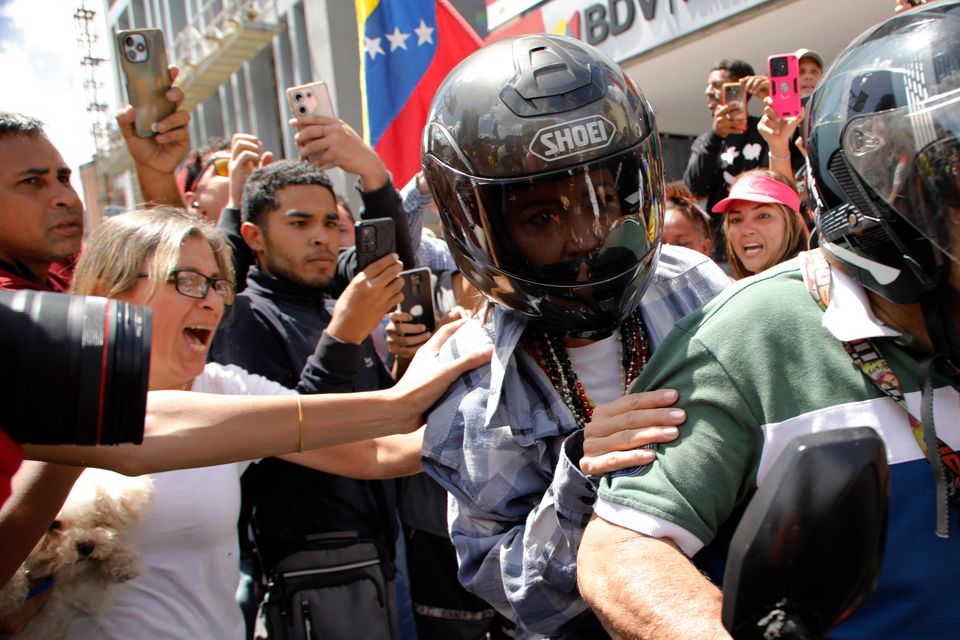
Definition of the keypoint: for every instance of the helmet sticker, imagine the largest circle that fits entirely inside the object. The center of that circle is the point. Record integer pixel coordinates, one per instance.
(570, 138)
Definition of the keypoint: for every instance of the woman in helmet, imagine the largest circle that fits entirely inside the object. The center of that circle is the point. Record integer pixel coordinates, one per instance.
(762, 222)
(562, 234)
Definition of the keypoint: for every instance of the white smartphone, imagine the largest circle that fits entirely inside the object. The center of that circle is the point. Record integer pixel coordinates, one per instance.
(311, 99)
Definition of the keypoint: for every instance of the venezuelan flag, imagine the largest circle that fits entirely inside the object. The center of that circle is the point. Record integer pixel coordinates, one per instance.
(407, 47)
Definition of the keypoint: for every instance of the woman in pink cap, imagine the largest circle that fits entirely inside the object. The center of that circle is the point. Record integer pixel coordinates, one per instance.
(763, 225)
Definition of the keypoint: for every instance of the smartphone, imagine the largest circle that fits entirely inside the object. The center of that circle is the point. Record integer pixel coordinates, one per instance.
(143, 61)
(418, 296)
(783, 70)
(375, 238)
(311, 99)
(734, 93)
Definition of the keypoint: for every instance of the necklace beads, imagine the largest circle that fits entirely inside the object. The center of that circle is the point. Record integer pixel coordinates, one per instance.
(551, 356)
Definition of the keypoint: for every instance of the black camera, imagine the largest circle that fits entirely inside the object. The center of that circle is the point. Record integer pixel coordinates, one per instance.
(74, 368)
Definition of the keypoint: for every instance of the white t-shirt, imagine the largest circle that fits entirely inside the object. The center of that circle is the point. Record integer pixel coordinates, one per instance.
(593, 364)
(188, 544)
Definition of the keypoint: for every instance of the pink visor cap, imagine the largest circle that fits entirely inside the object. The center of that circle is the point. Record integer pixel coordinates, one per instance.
(759, 188)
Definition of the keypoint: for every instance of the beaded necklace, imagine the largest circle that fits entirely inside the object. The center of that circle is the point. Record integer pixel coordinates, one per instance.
(548, 351)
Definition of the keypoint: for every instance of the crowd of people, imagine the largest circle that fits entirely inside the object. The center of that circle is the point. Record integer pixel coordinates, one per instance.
(617, 361)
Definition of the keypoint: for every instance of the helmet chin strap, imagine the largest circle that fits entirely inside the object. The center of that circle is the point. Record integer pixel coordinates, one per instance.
(942, 330)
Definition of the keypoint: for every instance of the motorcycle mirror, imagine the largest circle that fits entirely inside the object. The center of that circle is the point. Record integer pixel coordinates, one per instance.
(809, 547)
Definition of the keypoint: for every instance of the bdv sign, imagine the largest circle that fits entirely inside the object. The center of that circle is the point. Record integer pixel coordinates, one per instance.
(568, 138)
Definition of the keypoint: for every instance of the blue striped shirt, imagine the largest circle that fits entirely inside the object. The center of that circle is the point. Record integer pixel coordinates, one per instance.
(507, 449)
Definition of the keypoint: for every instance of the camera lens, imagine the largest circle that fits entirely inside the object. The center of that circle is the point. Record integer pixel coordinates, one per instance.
(302, 109)
(75, 368)
(128, 41)
(298, 97)
(778, 66)
(140, 48)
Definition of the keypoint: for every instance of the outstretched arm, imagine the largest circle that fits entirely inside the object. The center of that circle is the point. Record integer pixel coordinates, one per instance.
(186, 429)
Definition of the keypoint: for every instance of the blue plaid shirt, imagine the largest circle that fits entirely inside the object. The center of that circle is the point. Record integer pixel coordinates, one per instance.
(507, 449)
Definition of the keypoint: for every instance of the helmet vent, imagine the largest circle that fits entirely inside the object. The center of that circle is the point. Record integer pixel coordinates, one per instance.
(850, 185)
(546, 69)
(550, 78)
(835, 225)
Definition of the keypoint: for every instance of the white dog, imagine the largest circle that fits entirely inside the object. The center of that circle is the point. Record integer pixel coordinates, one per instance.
(84, 551)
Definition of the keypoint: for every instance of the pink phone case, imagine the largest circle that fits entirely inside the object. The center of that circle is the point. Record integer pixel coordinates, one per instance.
(785, 87)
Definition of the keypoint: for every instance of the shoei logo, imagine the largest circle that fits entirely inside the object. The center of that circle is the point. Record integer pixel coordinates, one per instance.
(577, 136)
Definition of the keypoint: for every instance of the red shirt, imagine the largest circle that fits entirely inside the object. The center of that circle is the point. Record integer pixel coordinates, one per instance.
(58, 278)
(11, 279)
(11, 455)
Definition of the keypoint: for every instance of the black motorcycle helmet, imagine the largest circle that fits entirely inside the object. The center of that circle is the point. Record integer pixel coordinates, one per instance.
(884, 174)
(544, 161)
(884, 158)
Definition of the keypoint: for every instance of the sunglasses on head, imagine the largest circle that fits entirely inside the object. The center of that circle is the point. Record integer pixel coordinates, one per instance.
(221, 165)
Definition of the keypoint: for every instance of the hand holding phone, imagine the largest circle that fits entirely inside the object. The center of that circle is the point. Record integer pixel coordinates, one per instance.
(311, 99)
(734, 94)
(143, 61)
(784, 72)
(731, 116)
(375, 238)
(418, 297)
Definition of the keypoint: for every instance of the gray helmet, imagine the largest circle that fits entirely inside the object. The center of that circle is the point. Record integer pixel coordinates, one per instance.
(544, 160)
(884, 158)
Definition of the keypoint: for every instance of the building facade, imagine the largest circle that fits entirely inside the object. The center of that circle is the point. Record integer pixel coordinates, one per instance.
(238, 56)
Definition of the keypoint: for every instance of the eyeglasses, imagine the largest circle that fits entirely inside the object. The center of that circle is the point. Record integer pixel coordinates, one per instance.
(221, 166)
(193, 284)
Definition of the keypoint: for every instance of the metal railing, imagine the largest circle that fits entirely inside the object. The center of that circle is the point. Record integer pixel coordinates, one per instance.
(217, 20)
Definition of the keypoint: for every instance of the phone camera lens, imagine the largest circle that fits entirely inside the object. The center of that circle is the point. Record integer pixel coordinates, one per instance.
(302, 109)
(140, 48)
(298, 97)
(128, 41)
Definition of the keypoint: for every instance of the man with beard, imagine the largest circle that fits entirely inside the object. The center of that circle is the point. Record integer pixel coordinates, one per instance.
(290, 222)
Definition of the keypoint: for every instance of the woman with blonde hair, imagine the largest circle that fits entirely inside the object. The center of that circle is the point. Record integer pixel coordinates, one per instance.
(762, 222)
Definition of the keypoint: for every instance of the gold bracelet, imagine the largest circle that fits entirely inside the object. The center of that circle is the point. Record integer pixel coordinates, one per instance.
(300, 423)
(773, 156)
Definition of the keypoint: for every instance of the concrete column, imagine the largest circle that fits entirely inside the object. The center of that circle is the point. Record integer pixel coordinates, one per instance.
(283, 62)
(261, 96)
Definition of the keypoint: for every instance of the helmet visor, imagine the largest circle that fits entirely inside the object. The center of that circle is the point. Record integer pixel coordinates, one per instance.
(910, 157)
(574, 226)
